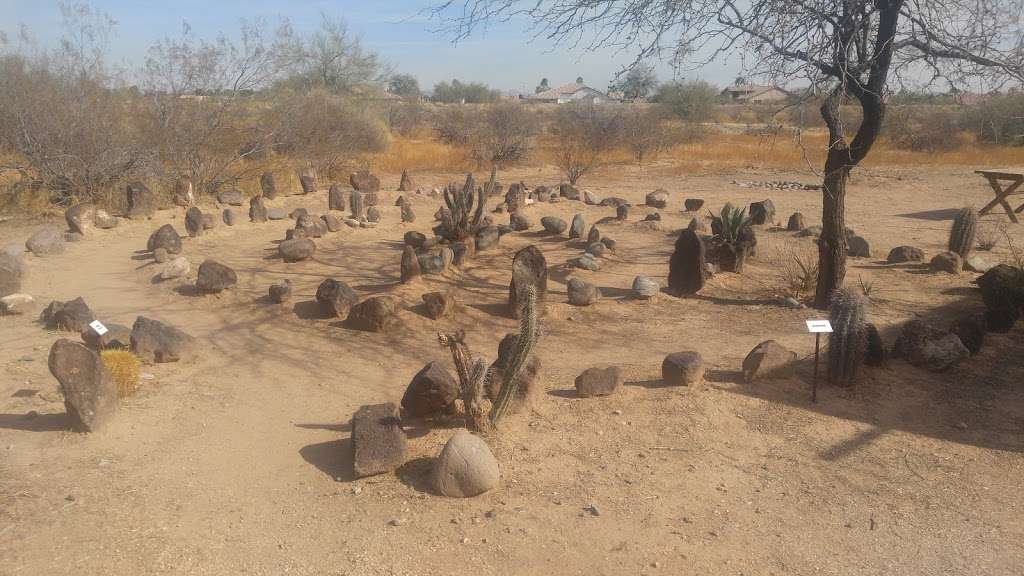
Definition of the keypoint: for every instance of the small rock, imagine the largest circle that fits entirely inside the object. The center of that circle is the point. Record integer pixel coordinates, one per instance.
(336, 298)
(645, 288)
(373, 214)
(154, 341)
(902, 254)
(296, 250)
(949, 262)
(15, 303)
(519, 221)
(693, 204)
(653, 217)
(80, 217)
(582, 293)
(194, 222)
(768, 359)
(229, 216)
(230, 197)
(590, 198)
(439, 304)
(599, 381)
(214, 277)
(176, 268)
(281, 292)
(117, 337)
(375, 314)
(858, 247)
(72, 316)
(796, 222)
(46, 241)
(165, 237)
(762, 212)
(657, 199)
(977, 264)
(104, 220)
(553, 224)
(487, 237)
(682, 369)
(276, 213)
(587, 262)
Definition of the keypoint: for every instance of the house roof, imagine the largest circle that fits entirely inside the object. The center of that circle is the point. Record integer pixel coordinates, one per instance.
(749, 89)
(563, 90)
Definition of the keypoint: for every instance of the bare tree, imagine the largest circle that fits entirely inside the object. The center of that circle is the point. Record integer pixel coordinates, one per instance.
(332, 58)
(586, 132)
(846, 48)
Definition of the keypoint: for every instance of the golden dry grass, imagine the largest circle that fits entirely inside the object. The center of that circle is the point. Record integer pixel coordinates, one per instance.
(124, 367)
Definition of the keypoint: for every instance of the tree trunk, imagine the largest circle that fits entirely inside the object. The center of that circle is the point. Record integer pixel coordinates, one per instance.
(832, 243)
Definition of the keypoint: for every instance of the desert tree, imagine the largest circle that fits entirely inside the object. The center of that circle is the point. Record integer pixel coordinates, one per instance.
(848, 49)
(586, 132)
(64, 114)
(637, 82)
(404, 85)
(199, 100)
(331, 58)
(542, 87)
(646, 131)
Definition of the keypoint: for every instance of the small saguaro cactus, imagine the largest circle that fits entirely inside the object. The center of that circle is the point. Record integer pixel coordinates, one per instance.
(529, 333)
(849, 338)
(961, 236)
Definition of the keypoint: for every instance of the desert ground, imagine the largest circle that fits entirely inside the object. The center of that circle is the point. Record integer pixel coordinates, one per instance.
(238, 461)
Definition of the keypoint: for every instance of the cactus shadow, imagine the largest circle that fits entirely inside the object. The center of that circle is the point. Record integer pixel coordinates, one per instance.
(498, 310)
(334, 458)
(934, 215)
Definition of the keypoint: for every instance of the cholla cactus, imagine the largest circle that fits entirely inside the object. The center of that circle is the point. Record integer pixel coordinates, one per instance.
(471, 380)
(461, 220)
(529, 333)
(961, 236)
(849, 338)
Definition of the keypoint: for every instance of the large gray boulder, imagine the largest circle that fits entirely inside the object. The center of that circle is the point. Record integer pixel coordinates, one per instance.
(336, 298)
(72, 316)
(90, 393)
(214, 277)
(926, 346)
(46, 241)
(80, 217)
(375, 314)
(598, 381)
(297, 249)
(465, 468)
(165, 237)
(154, 341)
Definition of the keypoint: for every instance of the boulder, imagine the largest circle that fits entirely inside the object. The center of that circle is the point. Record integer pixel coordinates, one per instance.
(971, 330)
(903, 254)
(80, 217)
(615, 202)
(229, 216)
(408, 215)
(160, 256)
(406, 184)
(622, 212)
(582, 293)
(378, 441)
(462, 252)
(465, 468)
(154, 341)
(90, 393)
(281, 292)
(230, 197)
(599, 381)
(414, 239)
(336, 198)
(336, 298)
(926, 346)
(72, 316)
(214, 277)
(177, 268)
(645, 288)
(297, 249)
(590, 198)
(141, 201)
(796, 222)
(12, 272)
(976, 263)
(586, 262)
(104, 220)
(682, 368)
(258, 210)
(858, 247)
(553, 224)
(519, 222)
(529, 268)
(373, 214)
(487, 237)
(597, 249)
(15, 303)
(653, 217)
(375, 314)
(276, 213)
(1002, 287)
(308, 183)
(579, 223)
(657, 199)
(194, 222)
(431, 263)
(184, 193)
(568, 191)
(117, 337)
(332, 222)
(693, 204)
(356, 203)
(165, 237)
(528, 380)
(431, 391)
(46, 241)
(268, 188)
(949, 262)
(768, 359)
(364, 181)
(439, 304)
(762, 212)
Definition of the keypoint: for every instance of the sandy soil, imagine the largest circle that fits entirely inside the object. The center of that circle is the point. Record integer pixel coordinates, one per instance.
(239, 462)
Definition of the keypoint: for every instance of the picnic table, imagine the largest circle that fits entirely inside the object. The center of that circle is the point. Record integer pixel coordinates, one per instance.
(1013, 177)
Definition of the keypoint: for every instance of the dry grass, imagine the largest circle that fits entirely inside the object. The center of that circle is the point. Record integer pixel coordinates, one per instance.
(124, 367)
(421, 154)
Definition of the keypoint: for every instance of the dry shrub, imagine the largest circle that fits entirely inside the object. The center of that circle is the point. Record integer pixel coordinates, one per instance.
(499, 133)
(586, 133)
(999, 119)
(124, 367)
(796, 265)
(407, 118)
(927, 129)
(988, 235)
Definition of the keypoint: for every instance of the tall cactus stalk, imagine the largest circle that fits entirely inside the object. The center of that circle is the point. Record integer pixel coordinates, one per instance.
(849, 338)
(529, 332)
(961, 236)
(472, 379)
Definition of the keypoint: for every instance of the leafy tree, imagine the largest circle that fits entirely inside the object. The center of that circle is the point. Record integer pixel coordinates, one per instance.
(331, 58)
(404, 85)
(455, 92)
(543, 86)
(579, 79)
(690, 101)
(637, 83)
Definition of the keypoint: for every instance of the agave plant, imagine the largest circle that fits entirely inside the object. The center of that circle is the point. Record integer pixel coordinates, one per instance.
(734, 220)
(734, 237)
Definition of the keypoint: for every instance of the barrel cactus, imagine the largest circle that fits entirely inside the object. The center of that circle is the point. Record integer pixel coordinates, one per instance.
(961, 236)
(849, 338)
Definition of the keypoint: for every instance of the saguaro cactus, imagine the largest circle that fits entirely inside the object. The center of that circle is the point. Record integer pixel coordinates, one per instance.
(529, 333)
(849, 338)
(961, 236)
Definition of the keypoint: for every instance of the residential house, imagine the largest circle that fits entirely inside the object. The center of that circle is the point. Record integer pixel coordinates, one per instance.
(754, 93)
(573, 92)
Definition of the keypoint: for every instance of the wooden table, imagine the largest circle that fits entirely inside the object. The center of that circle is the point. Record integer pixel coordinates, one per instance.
(1013, 177)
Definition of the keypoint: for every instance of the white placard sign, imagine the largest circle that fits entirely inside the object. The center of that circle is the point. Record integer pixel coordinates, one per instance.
(98, 327)
(819, 326)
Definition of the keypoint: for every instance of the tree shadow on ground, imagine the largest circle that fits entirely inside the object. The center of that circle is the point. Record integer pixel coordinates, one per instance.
(31, 422)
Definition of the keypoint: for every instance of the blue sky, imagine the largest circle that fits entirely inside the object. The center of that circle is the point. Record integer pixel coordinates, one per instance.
(506, 56)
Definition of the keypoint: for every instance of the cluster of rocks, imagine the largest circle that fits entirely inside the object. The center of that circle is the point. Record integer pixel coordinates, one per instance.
(776, 185)
(948, 261)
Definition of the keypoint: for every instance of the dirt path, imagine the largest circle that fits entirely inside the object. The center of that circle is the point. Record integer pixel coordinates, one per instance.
(238, 461)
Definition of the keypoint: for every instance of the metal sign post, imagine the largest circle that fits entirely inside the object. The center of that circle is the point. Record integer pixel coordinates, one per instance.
(817, 327)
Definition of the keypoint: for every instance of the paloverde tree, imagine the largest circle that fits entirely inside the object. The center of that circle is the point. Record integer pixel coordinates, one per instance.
(847, 49)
